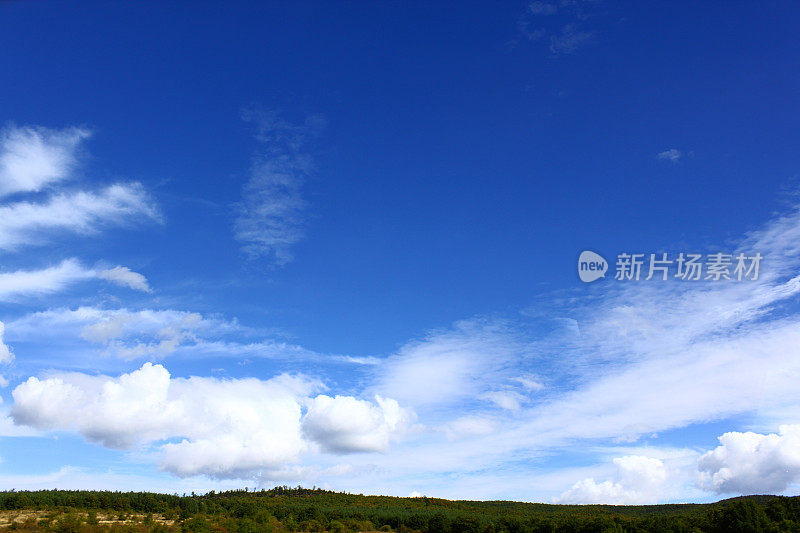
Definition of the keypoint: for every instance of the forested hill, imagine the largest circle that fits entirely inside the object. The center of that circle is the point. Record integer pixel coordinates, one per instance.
(299, 509)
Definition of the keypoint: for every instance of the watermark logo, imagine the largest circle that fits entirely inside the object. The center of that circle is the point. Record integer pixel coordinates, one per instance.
(684, 266)
(591, 266)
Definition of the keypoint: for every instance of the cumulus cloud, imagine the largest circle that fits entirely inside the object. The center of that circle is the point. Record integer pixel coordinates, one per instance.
(28, 223)
(752, 463)
(31, 158)
(5, 351)
(221, 428)
(114, 412)
(672, 155)
(344, 424)
(246, 427)
(640, 480)
(271, 215)
(57, 278)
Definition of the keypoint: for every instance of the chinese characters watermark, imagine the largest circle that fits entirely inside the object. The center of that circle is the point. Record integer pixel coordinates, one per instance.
(685, 266)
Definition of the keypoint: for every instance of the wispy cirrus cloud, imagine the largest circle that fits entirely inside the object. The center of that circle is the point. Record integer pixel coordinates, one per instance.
(155, 334)
(125, 277)
(36, 161)
(28, 223)
(123, 333)
(34, 164)
(471, 362)
(26, 283)
(271, 215)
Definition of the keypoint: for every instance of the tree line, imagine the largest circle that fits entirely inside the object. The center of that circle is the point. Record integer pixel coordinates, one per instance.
(315, 510)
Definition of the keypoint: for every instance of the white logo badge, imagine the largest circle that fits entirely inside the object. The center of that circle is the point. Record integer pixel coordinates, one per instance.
(591, 266)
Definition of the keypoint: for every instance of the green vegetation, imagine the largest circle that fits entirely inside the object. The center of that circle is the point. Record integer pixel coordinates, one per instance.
(298, 509)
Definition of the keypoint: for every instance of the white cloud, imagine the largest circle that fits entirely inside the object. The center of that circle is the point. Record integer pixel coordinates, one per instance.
(589, 491)
(102, 325)
(27, 223)
(126, 277)
(640, 480)
(57, 278)
(225, 425)
(529, 383)
(117, 413)
(32, 158)
(344, 424)
(5, 351)
(221, 428)
(446, 367)
(672, 155)
(271, 215)
(752, 463)
(134, 334)
(9, 429)
(245, 427)
(510, 400)
(45, 281)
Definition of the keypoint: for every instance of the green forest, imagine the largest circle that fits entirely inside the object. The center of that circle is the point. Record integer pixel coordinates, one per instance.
(316, 510)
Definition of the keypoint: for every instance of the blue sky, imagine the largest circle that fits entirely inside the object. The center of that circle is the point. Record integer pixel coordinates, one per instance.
(336, 244)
